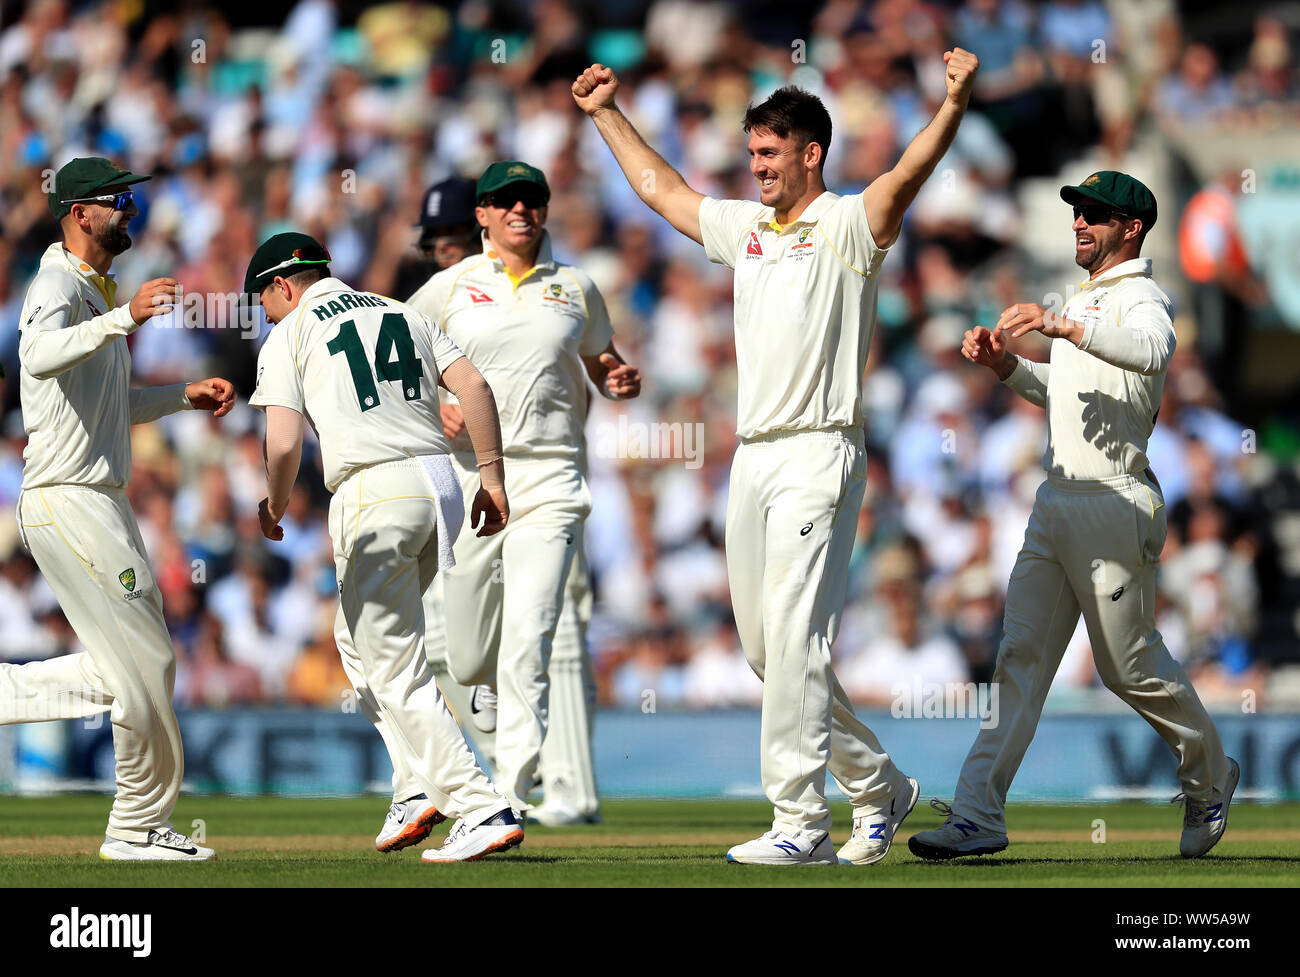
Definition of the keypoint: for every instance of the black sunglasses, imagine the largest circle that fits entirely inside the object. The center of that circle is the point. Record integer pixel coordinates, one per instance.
(530, 196)
(1097, 213)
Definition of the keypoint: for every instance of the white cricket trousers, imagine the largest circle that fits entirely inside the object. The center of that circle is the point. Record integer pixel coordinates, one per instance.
(792, 513)
(1092, 547)
(502, 603)
(384, 522)
(88, 546)
(568, 769)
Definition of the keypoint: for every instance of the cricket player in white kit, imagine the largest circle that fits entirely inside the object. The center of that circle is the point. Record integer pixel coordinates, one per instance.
(78, 408)
(536, 328)
(1097, 527)
(362, 368)
(449, 234)
(806, 262)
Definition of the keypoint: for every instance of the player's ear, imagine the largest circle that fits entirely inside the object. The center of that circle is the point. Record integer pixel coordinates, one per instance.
(812, 155)
(480, 213)
(1134, 229)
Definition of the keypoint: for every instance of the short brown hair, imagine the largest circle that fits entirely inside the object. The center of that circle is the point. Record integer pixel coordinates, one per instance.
(792, 113)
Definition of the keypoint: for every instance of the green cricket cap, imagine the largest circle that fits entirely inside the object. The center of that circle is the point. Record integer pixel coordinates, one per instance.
(1118, 191)
(284, 255)
(87, 176)
(506, 172)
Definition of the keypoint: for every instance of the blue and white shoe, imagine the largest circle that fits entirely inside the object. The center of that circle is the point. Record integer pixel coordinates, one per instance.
(408, 823)
(873, 832)
(784, 848)
(1204, 823)
(958, 836)
(501, 832)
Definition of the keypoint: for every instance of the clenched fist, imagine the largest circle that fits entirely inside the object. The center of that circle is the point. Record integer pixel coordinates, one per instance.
(157, 297)
(595, 88)
(962, 66)
(215, 394)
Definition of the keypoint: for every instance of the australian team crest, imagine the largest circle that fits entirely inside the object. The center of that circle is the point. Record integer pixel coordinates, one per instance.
(555, 293)
(127, 579)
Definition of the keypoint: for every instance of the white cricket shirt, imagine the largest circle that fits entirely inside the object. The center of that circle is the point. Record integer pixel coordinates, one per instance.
(526, 338)
(364, 370)
(805, 308)
(75, 382)
(1102, 396)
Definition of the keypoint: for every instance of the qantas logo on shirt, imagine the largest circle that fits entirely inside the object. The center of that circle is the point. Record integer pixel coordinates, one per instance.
(754, 247)
(92, 307)
(477, 296)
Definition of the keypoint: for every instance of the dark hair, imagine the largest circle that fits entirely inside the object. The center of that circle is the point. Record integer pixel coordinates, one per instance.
(309, 276)
(792, 113)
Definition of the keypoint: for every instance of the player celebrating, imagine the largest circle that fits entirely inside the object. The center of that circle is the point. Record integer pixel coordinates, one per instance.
(533, 325)
(448, 235)
(1097, 527)
(362, 367)
(78, 408)
(806, 262)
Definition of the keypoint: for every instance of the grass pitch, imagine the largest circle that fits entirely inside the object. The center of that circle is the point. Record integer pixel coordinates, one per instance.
(328, 843)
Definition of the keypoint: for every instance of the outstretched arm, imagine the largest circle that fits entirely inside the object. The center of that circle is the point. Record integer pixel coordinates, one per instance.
(890, 194)
(282, 452)
(658, 184)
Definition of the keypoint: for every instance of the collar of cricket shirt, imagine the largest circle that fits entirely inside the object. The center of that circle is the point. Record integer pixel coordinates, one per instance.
(545, 261)
(1125, 269)
(105, 284)
(811, 214)
(325, 286)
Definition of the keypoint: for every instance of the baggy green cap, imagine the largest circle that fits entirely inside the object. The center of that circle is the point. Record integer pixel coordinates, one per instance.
(1118, 191)
(87, 176)
(284, 255)
(506, 172)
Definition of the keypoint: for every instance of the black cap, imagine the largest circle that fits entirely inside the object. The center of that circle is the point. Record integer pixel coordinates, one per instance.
(284, 255)
(1119, 191)
(448, 203)
(87, 176)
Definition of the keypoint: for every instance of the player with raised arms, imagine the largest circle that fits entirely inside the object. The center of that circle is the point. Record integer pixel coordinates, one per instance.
(806, 264)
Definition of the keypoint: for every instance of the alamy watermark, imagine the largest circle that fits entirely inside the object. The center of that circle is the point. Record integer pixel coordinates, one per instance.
(946, 700)
(654, 440)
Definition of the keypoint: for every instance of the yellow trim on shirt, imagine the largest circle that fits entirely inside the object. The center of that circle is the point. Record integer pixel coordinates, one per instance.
(516, 282)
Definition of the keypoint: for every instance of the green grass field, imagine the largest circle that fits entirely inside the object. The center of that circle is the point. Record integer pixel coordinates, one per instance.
(326, 843)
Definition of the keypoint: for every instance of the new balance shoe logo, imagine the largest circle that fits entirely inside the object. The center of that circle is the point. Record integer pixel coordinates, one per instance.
(1215, 813)
(966, 827)
(877, 831)
(789, 847)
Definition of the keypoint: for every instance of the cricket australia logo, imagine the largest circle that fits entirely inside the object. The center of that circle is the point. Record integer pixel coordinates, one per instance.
(127, 579)
(555, 293)
(804, 244)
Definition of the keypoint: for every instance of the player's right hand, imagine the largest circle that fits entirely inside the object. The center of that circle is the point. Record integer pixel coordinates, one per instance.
(453, 421)
(495, 509)
(984, 347)
(157, 297)
(595, 88)
(271, 527)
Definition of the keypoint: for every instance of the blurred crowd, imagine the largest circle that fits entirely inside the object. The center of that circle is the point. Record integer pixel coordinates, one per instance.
(334, 118)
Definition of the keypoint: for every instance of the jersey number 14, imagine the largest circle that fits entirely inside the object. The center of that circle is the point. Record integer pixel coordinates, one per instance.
(394, 334)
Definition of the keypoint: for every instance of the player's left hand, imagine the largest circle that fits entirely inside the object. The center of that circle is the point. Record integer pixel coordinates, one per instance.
(623, 381)
(214, 394)
(962, 66)
(271, 527)
(1026, 317)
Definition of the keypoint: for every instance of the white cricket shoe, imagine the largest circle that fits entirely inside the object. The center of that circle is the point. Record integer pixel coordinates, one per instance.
(784, 848)
(873, 832)
(408, 823)
(1204, 824)
(167, 845)
(556, 814)
(958, 836)
(483, 707)
(498, 833)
